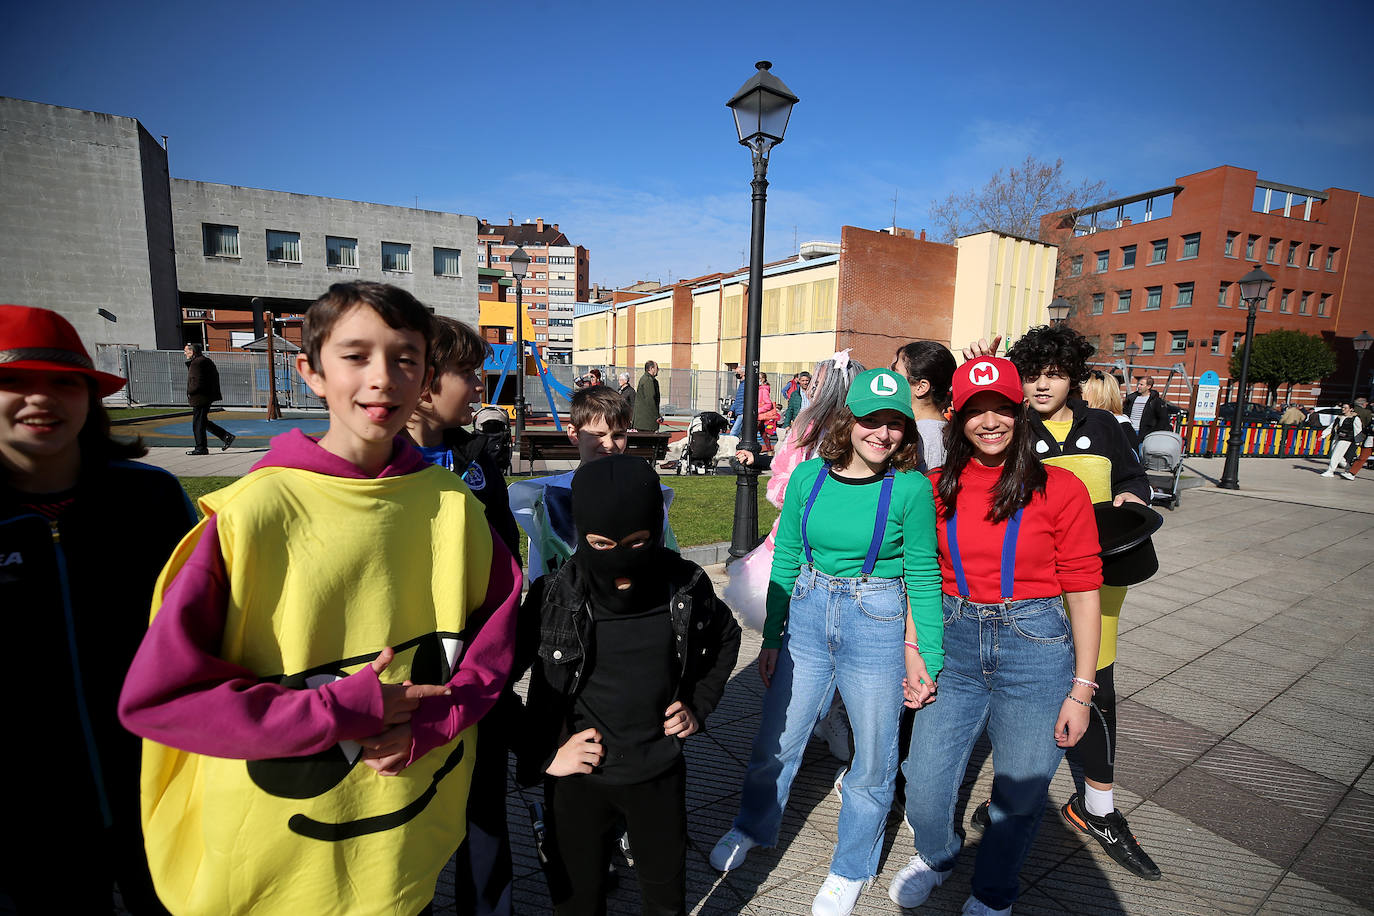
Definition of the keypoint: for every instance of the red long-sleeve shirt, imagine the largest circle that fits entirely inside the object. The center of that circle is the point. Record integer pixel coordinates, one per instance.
(1056, 550)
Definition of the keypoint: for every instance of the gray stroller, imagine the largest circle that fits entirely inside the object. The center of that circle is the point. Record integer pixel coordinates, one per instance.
(1162, 454)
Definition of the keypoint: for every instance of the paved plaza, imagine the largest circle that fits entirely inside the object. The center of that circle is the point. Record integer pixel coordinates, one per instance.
(1246, 723)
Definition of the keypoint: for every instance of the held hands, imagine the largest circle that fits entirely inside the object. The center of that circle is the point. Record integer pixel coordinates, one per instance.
(918, 687)
(388, 752)
(768, 663)
(678, 720)
(400, 700)
(579, 754)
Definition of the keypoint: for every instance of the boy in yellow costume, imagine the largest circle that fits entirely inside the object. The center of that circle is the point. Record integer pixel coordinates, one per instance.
(321, 645)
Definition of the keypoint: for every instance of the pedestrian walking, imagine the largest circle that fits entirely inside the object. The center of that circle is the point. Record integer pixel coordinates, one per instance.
(1344, 432)
(202, 390)
(647, 414)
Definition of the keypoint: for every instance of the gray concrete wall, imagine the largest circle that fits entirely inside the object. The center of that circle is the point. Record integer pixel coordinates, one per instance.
(254, 211)
(74, 221)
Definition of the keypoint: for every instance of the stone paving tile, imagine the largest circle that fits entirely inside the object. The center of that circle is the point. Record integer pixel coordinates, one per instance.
(1346, 838)
(1325, 754)
(1181, 701)
(1296, 896)
(1305, 792)
(1154, 636)
(1266, 828)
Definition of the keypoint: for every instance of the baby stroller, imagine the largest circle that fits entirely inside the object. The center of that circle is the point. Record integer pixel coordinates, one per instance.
(703, 440)
(493, 424)
(1162, 454)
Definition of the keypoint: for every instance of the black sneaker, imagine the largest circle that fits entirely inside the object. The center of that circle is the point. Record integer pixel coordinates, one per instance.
(1115, 836)
(228, 441)
(981, 818)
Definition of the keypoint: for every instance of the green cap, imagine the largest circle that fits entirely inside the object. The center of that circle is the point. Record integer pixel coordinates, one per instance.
(879, 389)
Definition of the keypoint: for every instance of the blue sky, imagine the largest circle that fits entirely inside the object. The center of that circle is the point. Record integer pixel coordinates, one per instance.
(609, 118)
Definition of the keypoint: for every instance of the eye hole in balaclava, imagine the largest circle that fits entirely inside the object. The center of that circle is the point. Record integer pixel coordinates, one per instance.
(614, 497)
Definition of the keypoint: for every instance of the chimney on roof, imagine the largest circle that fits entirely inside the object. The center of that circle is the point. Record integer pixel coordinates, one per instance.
(539, 224)
(555, 227)
(510, 221)
(923, 235)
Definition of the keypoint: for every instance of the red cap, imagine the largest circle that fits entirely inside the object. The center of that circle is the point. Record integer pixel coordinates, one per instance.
(41, 340)
(987, 373)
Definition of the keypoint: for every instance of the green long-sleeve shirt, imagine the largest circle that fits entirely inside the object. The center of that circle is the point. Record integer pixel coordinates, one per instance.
(840, 528)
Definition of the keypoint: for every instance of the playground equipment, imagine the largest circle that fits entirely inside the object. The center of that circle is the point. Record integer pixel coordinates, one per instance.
(502, 362)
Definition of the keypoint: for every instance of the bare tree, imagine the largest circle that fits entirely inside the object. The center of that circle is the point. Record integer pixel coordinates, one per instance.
(1013, 201)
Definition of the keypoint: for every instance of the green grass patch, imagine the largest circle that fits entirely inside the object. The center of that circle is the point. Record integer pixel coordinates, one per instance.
(130, 413)
(703, 508)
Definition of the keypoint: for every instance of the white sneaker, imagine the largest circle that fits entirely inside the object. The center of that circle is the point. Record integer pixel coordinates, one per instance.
(834, 730)
(975, 907)
(731, 850)
(839, 782)
(837, 896)
(1347, 475)
(1328, 473)
(914, 883)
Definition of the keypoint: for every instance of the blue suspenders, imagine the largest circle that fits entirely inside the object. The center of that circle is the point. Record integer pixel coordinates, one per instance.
(1009, 536)
(879, 522)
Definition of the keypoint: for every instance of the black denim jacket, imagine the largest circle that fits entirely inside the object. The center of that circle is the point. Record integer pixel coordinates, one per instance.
(706, 642)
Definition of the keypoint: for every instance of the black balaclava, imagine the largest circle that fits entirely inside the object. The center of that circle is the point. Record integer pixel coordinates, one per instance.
(616, 496)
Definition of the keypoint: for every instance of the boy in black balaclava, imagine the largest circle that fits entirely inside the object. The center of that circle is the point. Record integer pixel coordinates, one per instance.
(635, 650)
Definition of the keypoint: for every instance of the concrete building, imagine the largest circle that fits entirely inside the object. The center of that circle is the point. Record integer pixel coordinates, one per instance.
(872, 292)
(557, 277)
(86, 224)
(1160, 270)
(234, 245)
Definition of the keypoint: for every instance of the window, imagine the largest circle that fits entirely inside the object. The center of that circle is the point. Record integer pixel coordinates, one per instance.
(1273, 254)
(1250, 242)
(541, 322)
(1191, 244)
(396, 256)
(221, 241)
(1216, 342)
(1185, 296)
(1178, 341)
(1147, 343)
(1152, 296)
(1127, 257)
(1098, 299)
(541, 260)
(1159, 251)
(1222, 292)
(541, 276)
(1123, 300)
(541, 337)
(1283, 301)
(1102, 262)
(1293, 253)
(448, 262)
(484, 287)
(1302, 303)
(1076, 266)
(1118, 343)
(339, 252)
(1264, 303)
(283, 246)
(1231, 244)
(1237, 340)
(1312, 256)
(1331, 258)
(1322, 304)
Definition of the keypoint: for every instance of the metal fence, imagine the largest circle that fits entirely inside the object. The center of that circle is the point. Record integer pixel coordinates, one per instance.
(158, 377)
(681, 391)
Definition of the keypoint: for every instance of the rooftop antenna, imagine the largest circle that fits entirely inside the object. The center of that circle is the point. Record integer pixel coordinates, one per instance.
(894, 208)
(795, 249)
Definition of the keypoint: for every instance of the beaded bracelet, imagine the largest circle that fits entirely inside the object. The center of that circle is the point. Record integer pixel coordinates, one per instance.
(1078, 701)
(912, 645)
(1085, 682)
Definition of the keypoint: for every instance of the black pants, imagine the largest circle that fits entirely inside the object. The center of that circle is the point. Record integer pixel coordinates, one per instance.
(482, 880)
(200, 422)
(583, 813)
(1095, 752)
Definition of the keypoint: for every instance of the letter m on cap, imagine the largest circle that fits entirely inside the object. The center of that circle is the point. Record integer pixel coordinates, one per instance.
(983, 374)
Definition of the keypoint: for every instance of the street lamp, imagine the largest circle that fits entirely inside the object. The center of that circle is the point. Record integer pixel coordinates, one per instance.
(1059, 310)
(1132, 350)
(761, 107)
(1361, 345)
(519, 266)
(1254, 289)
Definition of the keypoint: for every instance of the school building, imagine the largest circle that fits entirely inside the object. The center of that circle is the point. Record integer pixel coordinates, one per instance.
(1160, 270)
(872, 292)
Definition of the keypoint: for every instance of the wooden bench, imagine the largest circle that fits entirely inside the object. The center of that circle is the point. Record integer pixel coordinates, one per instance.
(553, 445)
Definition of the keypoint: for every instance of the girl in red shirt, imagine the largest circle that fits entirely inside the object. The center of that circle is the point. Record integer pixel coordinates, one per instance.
(1017, 544)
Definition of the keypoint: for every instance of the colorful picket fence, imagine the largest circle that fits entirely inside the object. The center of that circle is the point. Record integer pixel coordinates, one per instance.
(1267, 441)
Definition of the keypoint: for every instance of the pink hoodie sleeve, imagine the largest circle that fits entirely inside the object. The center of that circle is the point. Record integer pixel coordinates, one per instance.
(788, 456)
(180, 693)
(481, 675)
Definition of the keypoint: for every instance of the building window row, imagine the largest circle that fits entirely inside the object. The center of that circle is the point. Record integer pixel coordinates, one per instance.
(1295, 254)
(220, 241)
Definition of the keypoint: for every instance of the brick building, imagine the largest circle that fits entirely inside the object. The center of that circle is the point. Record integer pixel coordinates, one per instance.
(872, 292)
(1160, 269)
(557, 277)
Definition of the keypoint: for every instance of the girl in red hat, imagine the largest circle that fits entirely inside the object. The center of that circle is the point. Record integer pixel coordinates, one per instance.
(84, 532)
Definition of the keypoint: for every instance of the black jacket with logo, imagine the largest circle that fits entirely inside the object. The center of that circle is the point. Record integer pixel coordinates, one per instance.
(1096, 432)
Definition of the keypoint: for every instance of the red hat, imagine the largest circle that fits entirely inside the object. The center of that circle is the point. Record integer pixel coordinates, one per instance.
(42, 340)
(987, 373)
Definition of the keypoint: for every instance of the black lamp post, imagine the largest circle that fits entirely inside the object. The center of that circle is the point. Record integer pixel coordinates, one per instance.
(1132, 349)
(1254, 289)
(1361, 345)
(761, 108)
(1059, 310)
(519, 266)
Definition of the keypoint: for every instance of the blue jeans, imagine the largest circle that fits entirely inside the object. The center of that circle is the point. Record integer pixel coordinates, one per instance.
(1007, 668)
(845, 634)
